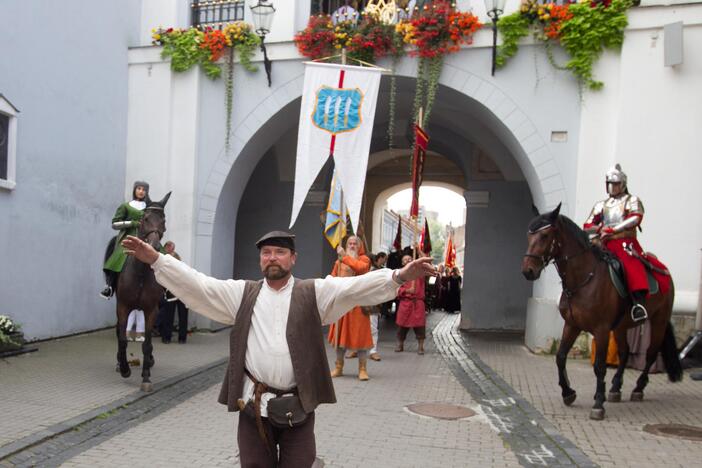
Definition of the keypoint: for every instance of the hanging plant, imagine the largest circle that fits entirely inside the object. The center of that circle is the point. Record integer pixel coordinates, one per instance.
(438, 30)
(182, 46)
(583, 29)
(239, 37)
(189, 47)
(368, 41)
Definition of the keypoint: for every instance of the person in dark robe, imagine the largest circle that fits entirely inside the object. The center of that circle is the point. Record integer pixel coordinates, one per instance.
(453, 291)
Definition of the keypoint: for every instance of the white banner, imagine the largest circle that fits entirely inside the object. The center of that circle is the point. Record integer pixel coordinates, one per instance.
(336, 119)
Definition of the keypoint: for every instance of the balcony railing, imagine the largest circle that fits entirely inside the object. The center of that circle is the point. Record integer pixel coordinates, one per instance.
(216, 13)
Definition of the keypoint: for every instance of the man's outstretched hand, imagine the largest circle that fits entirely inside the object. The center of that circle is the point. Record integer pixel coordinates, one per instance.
(417, 269)
(139, 249)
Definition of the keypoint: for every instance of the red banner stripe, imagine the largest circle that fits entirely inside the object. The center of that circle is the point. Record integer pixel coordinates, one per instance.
(333, 137)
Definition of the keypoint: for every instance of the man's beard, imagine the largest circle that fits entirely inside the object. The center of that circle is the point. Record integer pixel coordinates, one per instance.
(275, 272)
(352, 253)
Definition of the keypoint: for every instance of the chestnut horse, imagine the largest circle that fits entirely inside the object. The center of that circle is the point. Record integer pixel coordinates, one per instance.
(591, 303)
(137, 289)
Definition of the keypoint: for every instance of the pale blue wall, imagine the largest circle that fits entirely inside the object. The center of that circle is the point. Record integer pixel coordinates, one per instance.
(64, 65)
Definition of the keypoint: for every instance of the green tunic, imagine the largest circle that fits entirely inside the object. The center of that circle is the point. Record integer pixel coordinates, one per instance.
(125, 212)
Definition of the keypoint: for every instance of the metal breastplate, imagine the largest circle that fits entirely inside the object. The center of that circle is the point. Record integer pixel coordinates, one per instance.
(614, 211)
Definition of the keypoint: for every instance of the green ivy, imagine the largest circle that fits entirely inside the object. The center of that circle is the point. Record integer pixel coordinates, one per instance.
(512, 29)
(584, 37)
(246, 49)
(183, 48)
(589, 32)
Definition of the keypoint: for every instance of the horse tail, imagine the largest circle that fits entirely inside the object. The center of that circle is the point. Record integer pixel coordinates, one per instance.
(669, 352)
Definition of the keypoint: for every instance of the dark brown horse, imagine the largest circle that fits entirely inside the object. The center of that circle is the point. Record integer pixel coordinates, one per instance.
(137, 289)
(591, 303)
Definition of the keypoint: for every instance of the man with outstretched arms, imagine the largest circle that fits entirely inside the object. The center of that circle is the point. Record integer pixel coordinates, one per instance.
(278, 371)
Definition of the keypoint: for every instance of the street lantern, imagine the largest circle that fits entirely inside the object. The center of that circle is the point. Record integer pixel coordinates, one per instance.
(494, 9)
(262, 13)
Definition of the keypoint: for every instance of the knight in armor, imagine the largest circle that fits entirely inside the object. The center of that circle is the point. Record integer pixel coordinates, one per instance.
(126, 221)
(615, 221)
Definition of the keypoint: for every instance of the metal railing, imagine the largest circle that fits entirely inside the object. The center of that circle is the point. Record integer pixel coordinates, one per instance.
(216, 13)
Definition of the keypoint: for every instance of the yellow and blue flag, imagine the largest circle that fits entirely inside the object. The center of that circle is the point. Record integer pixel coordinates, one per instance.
(335, 225)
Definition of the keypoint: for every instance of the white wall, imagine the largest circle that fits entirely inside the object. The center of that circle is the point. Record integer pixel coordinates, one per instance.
(648, 118)
(645, 118)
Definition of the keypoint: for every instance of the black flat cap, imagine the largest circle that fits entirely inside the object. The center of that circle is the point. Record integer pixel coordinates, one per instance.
(277, 239)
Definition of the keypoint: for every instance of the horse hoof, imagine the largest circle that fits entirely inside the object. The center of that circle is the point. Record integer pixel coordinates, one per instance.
(147, 387)
(126, 373)
(568, 400)
(597, 414)
(636, 396)
(614, 397)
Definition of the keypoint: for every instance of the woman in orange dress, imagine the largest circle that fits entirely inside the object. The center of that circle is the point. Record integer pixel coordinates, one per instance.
(353, 330)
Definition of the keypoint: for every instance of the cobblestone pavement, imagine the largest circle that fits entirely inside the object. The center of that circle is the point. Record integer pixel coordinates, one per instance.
(619, 440)
(533, 438)
(369, 426)
(181, 423)
(68, 377)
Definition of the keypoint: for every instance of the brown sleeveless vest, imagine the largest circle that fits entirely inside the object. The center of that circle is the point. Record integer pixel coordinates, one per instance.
(304, 336)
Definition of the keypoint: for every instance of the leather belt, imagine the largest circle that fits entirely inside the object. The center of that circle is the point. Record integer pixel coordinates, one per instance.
(259, 389)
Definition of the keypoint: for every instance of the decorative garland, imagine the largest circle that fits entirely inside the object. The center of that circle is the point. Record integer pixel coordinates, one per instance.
(583, 29)
(189, 47)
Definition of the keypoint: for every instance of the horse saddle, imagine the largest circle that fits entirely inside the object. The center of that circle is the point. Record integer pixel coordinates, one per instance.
(618, 276)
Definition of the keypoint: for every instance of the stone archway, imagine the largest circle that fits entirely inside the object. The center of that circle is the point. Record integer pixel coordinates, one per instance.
(499, 120)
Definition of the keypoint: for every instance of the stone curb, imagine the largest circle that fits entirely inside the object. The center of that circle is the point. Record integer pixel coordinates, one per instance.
(36, 438)
(534, 439)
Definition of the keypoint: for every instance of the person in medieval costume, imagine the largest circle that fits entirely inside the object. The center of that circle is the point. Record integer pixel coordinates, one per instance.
(614, 222)
(453, 290)
(126, 221)
(278, 371)
(353, 330)
(411, 312)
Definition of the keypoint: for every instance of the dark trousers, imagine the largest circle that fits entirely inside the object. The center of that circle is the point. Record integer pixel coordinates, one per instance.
(166, 315)
(419, 332)
(296, 445)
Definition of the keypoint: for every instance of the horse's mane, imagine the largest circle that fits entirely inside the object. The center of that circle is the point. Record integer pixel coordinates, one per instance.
(581, 236)
(570, 227)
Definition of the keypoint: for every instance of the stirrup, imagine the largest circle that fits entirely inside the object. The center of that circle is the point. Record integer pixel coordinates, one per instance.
(107, 293)
(640, 317)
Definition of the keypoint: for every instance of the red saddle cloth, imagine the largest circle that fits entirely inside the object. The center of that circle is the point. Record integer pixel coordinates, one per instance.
(634, 268)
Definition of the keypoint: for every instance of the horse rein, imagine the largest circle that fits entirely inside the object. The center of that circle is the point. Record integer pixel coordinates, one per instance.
(549, 257)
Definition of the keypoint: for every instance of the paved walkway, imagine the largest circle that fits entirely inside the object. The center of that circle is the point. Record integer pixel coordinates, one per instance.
(619, 440)
(98, 419)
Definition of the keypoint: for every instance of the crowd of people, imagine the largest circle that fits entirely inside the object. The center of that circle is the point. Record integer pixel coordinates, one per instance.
(355, 335)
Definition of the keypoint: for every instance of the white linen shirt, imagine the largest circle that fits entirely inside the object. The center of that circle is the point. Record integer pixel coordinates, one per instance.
(267, 352)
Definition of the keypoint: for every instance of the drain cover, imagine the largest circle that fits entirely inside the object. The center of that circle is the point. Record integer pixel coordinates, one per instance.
(681, 431)
(441, 410)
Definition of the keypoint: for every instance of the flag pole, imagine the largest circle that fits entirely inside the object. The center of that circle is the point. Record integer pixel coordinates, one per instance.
(343, 220)
(415, 248)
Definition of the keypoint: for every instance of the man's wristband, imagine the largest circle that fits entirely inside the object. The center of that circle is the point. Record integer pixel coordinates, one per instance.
(396, 277)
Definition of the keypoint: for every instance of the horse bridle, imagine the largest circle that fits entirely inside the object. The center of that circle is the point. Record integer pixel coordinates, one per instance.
(549, 257)
(141, 223)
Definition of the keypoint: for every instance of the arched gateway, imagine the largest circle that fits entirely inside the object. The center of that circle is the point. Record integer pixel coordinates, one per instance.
(497, 131)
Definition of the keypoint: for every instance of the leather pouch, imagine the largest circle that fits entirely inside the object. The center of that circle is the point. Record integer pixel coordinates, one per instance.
(286, 411)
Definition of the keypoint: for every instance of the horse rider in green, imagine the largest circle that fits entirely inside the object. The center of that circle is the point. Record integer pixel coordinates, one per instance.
(126, 221)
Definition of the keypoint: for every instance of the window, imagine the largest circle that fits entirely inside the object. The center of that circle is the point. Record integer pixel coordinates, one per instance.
(8, 143)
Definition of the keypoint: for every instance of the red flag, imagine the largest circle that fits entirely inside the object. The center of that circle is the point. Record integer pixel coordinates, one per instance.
(398, 237)
(425, 239)
(421, 140)
(450, 257)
